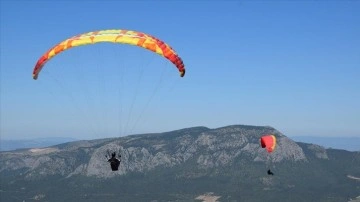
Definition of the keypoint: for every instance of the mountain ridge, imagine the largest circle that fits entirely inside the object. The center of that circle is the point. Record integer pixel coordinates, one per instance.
(183, 164)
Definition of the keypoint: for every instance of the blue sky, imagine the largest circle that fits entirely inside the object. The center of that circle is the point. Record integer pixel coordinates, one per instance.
(292, 65)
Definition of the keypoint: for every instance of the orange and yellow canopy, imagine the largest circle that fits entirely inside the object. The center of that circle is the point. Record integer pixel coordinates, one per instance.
(114, 36)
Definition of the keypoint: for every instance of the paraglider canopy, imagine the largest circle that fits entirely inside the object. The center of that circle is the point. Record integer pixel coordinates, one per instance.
(119, 36)
(268, 142)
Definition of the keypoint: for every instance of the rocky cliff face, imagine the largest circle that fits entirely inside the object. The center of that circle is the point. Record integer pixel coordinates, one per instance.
(182, 165)
(208, 147)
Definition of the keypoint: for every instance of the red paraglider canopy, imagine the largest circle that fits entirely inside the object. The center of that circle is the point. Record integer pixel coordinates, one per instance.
(268, 142)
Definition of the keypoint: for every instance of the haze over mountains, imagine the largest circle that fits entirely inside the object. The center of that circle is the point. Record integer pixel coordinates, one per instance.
(183, 165)
(346, 143)
(8, 145)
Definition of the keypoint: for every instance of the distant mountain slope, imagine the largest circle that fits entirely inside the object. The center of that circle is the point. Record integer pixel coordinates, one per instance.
(184, 165)
(346, 143)
(8, 145)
